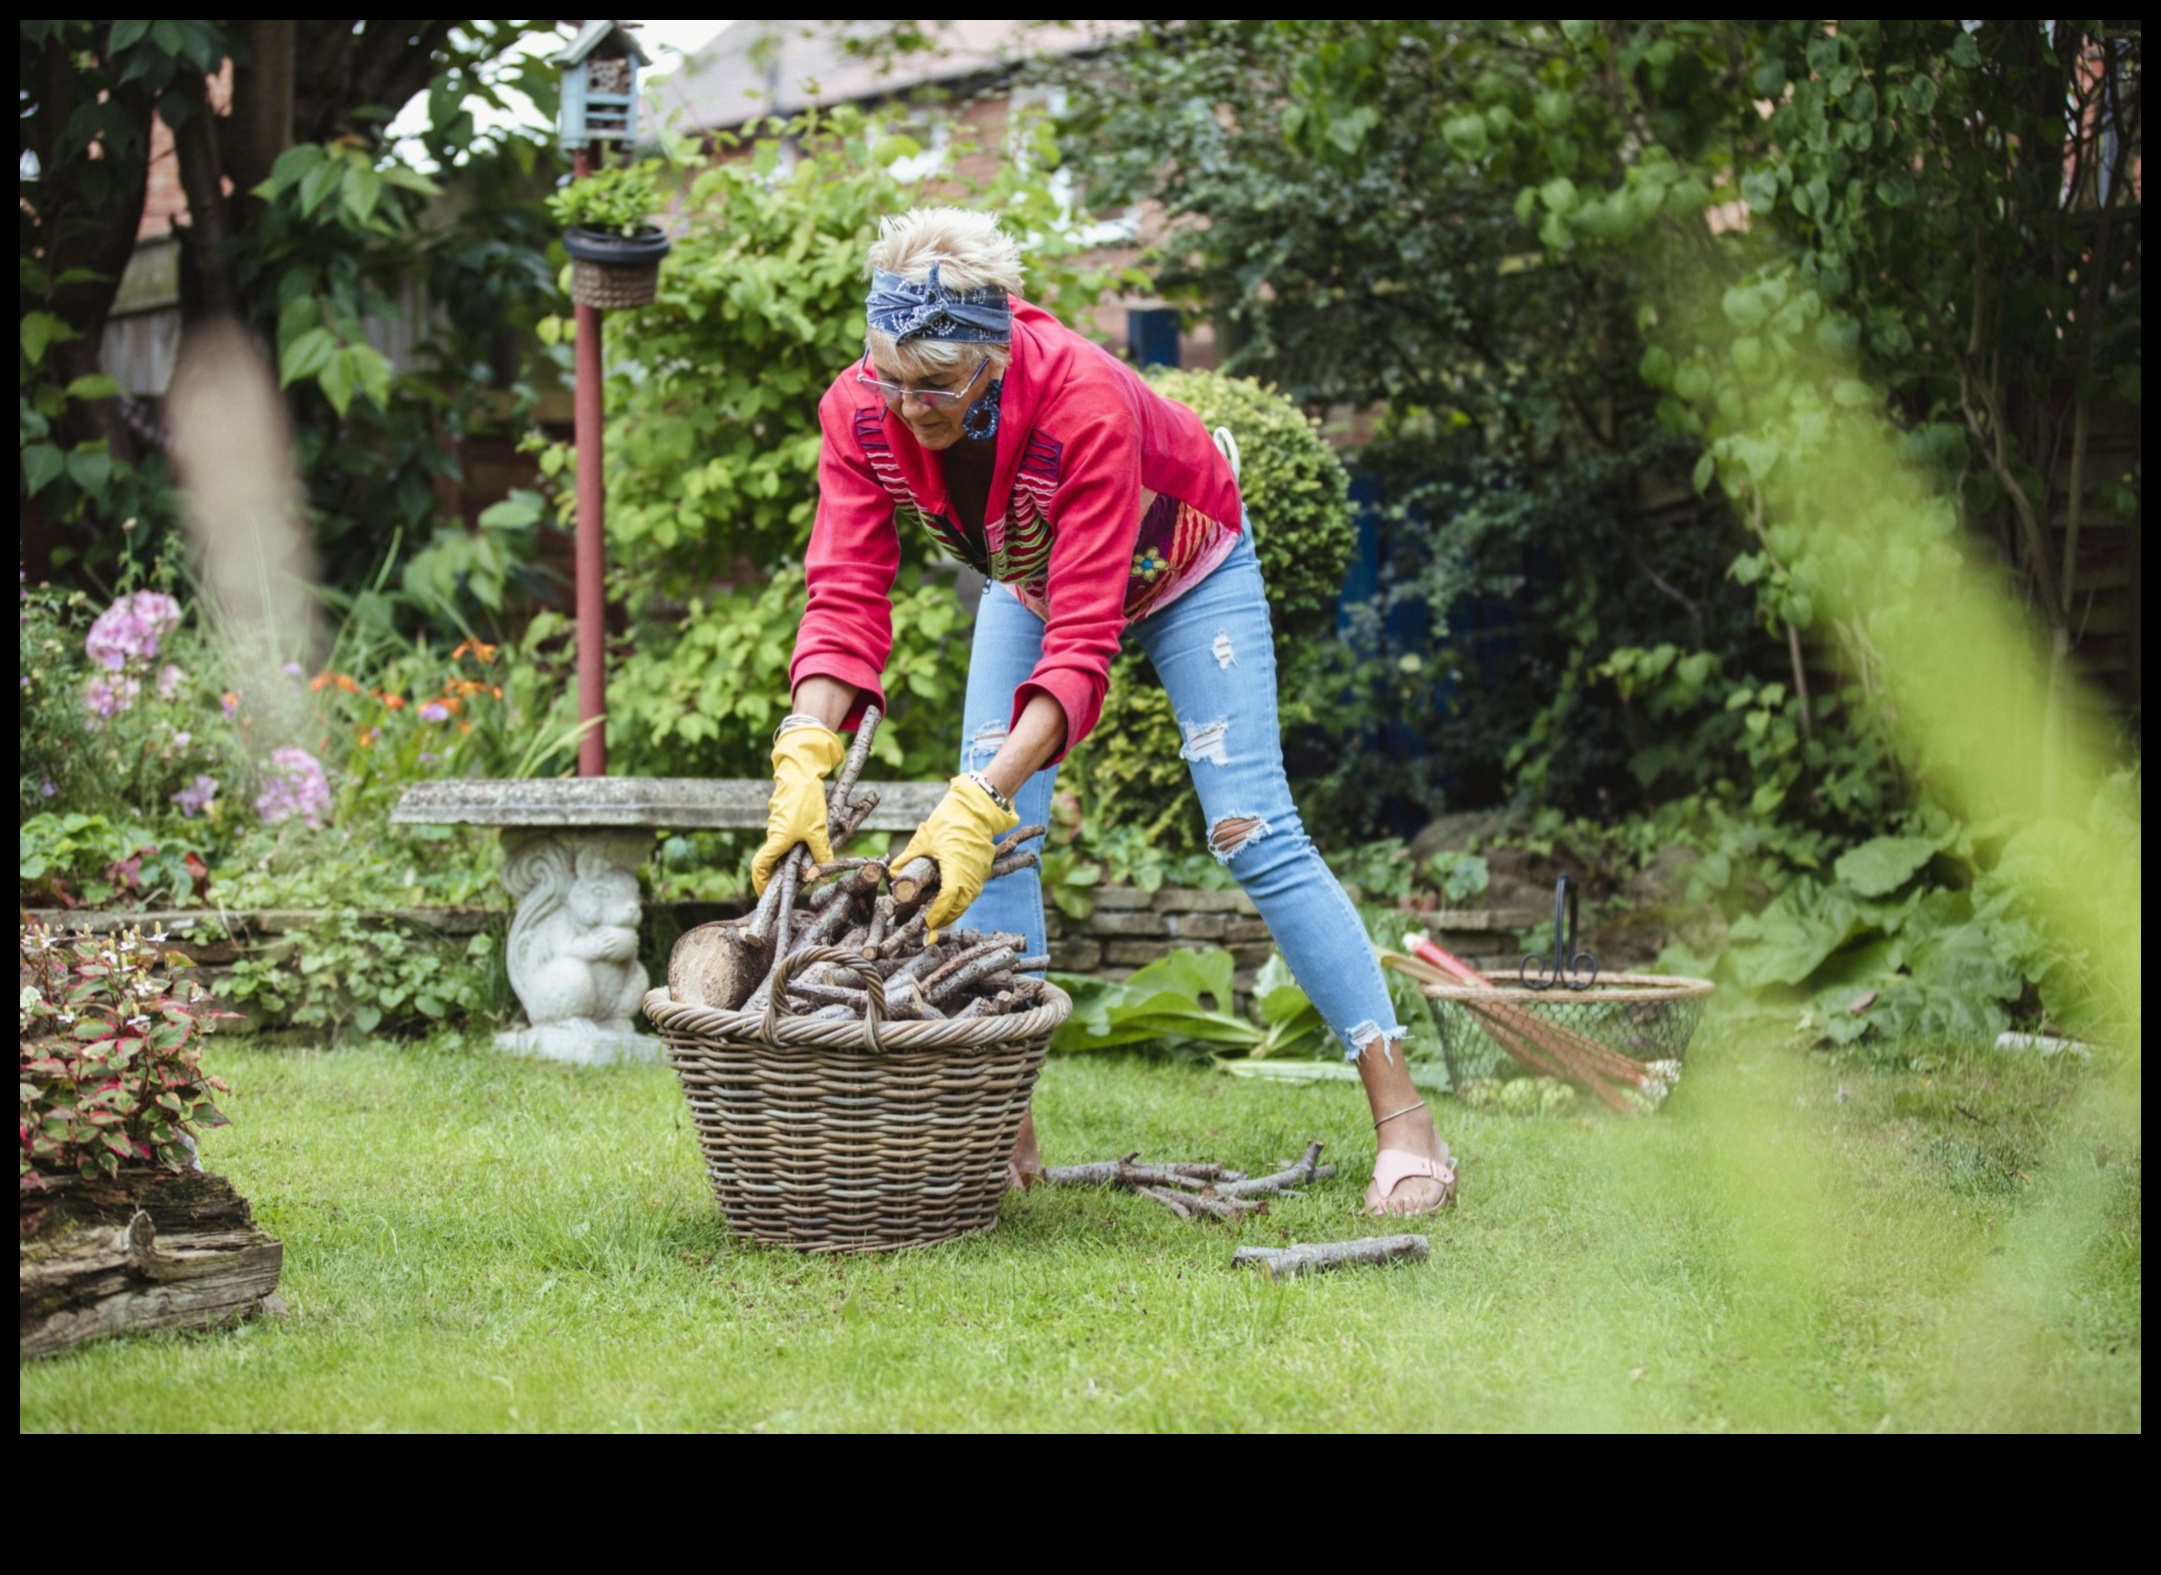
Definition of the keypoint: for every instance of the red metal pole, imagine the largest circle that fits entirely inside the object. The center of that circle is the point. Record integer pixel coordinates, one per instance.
(591, 559)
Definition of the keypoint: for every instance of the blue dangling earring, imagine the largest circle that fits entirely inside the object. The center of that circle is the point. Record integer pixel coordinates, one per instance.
(981, 421)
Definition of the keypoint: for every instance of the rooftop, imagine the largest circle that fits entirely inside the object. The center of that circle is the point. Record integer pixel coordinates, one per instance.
(755, 68)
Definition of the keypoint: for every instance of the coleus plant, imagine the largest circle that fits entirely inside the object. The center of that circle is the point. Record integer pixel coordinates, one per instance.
(110, 1065)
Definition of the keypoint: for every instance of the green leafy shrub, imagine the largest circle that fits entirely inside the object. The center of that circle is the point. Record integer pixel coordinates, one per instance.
(73, 859)
(620, 199)
(1296, 491)
(1297, 496)
(1936, 934)
(349, 973)
(1070, 882)
(704, 702)
(109, 1058)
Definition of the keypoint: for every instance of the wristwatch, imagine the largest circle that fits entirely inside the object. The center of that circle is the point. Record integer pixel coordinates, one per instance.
(990, 787)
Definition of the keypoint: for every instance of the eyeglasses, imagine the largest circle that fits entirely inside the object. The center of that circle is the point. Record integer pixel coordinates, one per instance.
(936, 398)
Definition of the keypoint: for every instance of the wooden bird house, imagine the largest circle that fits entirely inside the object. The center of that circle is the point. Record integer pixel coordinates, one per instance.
(600, 85)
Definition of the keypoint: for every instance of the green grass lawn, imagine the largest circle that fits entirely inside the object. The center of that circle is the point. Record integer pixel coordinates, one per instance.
(475, 1242)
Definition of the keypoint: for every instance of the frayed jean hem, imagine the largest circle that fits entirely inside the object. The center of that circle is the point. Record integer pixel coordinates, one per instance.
(1367, 1034)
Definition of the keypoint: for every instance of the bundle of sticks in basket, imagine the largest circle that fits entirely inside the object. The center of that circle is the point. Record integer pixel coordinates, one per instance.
(1538, 1042)
(872, 915)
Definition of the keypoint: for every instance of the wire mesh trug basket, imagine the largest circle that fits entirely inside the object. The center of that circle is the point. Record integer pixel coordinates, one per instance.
(1646, 1017)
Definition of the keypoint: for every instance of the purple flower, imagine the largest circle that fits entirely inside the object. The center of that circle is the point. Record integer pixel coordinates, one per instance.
(296, 788)
(46, 788)
(108, 697)
(231, 701)
(435, 711)
(196, 797)
(129, 630)
(170, 678)
(182, 739)
(291, 669)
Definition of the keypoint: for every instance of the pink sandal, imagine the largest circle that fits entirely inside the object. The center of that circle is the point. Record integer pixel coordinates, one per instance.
(1394, 1166)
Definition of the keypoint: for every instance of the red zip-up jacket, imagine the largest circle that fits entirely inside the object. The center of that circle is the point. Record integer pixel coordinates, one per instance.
(1107, 501)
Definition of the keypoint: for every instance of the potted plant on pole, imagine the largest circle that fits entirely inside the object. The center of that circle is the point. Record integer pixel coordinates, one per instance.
(615, 249)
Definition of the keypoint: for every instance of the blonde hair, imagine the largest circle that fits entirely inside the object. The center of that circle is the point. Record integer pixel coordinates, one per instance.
(971, 253)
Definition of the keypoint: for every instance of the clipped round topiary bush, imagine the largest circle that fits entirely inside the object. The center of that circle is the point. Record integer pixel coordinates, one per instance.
(1295, 489)
(1297, 494)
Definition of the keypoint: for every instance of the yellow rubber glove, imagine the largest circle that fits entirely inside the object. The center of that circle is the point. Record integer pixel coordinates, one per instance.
(958, 836)
(801, 758)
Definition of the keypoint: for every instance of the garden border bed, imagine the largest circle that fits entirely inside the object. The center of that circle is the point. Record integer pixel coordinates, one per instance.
(1128, 929)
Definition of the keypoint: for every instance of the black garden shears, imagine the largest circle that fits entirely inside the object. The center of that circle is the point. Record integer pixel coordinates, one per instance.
(1568, 969)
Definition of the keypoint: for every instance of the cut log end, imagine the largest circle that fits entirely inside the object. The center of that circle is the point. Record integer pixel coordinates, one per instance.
(716, 965)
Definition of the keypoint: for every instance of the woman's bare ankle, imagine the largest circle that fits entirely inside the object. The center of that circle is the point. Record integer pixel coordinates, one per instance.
(1400, 1117)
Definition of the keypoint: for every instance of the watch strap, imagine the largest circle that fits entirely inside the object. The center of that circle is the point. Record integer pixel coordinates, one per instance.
(990, 787)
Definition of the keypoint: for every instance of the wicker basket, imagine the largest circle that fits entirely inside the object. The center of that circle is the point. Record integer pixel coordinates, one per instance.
(1646, 1017)
(614, 271)
(855, 1137)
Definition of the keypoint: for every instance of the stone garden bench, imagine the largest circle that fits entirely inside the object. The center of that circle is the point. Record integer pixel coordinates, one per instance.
(571, 851)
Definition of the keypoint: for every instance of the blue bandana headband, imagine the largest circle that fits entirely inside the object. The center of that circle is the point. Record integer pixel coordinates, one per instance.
(902, 310)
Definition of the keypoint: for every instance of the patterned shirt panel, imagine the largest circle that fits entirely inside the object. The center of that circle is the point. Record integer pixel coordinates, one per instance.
(1177, 547)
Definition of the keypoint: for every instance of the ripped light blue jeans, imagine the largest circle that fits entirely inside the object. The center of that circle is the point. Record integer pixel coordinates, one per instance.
(1214, 652)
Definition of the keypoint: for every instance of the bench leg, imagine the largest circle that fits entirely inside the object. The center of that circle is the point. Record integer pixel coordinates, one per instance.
(573, 952)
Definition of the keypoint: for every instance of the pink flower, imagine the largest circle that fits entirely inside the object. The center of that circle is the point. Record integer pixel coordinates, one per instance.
(129, 630)
(196, 797)
(170, 678)
(434, 711)
(108, 697)
(295, 788)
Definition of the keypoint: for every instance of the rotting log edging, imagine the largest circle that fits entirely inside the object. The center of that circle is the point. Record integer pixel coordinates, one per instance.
(153, 1250)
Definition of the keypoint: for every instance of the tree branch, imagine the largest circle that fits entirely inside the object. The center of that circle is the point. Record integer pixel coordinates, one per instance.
(209, 227)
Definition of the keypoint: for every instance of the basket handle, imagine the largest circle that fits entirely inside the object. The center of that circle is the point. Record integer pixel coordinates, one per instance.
(873, 982)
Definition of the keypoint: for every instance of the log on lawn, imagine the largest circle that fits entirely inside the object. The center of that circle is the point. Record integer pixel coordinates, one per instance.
(152, 1250)
(1285, 1263)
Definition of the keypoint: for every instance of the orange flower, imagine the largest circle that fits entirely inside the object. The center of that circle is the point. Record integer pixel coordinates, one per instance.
(394, 702)
(478, 648)
(368, 736)
(465, 727)
(448, 701)
(322, 681)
